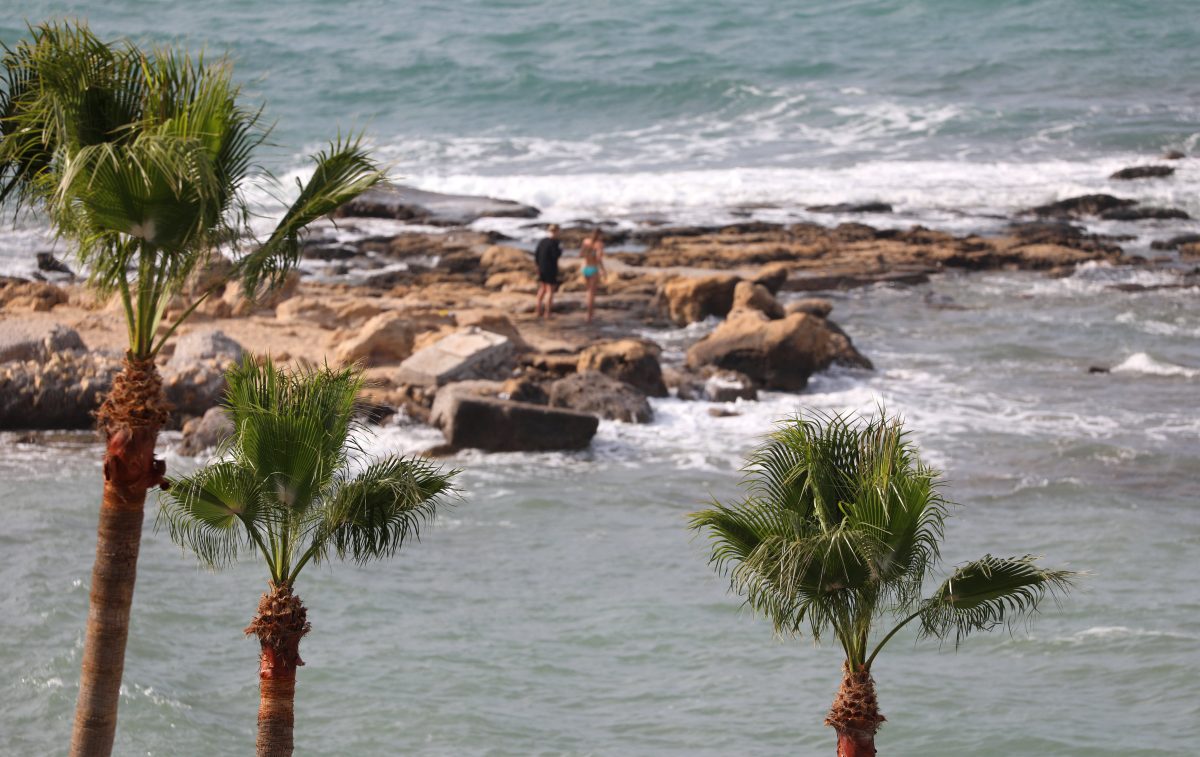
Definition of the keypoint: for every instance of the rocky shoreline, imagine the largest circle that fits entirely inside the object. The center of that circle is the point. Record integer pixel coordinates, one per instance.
(443, 321)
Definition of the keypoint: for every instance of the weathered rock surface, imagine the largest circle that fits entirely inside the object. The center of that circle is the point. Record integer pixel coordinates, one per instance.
(818, 306)
(410, 204)
(711, 384)
(17, 295)
(307, 309)
(594, 392)
(1174, 242)
(25, 340)
(633, 361)
(1144, 213)
(194, 376)
(60, 392)
(779, 354)
(470, 353)
(205, 432)
(506, 426)
(386, 338)
(692, 299)
(753, 296)
(1143, 172)
(1084, 205)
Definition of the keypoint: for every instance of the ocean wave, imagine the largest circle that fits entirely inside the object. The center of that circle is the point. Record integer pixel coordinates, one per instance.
(1142, 363)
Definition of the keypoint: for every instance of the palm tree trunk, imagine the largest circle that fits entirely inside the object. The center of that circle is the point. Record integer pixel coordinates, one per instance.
(131, 417)
(855, 714)
(281, 622)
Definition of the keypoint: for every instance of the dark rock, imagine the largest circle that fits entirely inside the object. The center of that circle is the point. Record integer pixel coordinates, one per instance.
(205, 432)
(410, 204)
(1141, 213)
(601, 395)
(1097, 369)
(1084, 205)
(777, 354)
(47, 262)
(1174, 242)
(852, 207)
(1143, 172)
(506, 426)
(1174, 155)
(60, 392)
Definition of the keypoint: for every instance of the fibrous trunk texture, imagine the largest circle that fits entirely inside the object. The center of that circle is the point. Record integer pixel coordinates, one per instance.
(281, 622)
(855, 714)
(130, 418)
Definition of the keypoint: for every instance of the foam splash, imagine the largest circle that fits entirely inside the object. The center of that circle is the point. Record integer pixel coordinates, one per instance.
(1140, 362)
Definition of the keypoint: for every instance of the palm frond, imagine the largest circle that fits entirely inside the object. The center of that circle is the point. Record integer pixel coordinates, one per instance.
(342, 172)
(214, 512)
(373, 514)
(987, 593)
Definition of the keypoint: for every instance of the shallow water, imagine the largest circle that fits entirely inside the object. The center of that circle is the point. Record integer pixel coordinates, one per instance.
(563, 609)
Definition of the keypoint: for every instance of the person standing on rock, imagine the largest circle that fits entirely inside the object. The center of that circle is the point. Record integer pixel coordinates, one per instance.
(592, 253)
(547, 254)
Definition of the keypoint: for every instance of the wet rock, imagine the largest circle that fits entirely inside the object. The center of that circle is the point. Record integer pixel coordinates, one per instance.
(528, 388)
(632, 361)
(506, 426)
(852, 207)
(692, 299)
(1142, 172)
(711, 384)
(410, 204)
(818, 306)
(594, 392)
(1097, 369)
(22, 340)
(756, 297)
(779, 354)
(1174, 242)
(1174, 155)
(446, 396)
(205, 432)
(1143, 213)
(469, 353)
(386, 338)
(721, 412)
(47, 262)
(1084, 205)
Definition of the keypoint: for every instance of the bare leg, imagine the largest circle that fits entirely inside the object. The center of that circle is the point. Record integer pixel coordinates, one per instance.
(541, 293)
(591, 297)
(549, 301)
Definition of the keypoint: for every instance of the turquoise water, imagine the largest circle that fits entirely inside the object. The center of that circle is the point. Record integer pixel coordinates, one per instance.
(562, 609)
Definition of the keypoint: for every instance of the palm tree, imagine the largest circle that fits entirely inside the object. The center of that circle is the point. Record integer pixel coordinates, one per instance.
(283, 487)
(140, 160)
(841, 525)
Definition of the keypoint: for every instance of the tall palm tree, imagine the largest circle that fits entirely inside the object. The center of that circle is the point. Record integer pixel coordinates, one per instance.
(284, 487)
(840, 527)
(140, 160)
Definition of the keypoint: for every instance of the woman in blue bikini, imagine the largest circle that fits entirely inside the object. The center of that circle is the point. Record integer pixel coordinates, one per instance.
(592, 252)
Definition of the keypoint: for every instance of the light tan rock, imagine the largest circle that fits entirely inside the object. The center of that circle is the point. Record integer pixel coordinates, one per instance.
(388, 337)
(818, 306)
(630, 360)
(307, 309)
(691, 299)
(747, 294)
(512, 281)
(499, 258)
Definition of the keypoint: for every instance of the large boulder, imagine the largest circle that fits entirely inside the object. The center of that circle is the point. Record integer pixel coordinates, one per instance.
(773, 276)
(691, 299)
(386, 338)
(411, 204)
(505, 426)
(747, 294)
(598, 394)
(632, 361)
(26, 340)
(19, 295)
(470, 353)
(61, 391)
(778, 354)
(194, 376)
(205, 432)
(498, 258)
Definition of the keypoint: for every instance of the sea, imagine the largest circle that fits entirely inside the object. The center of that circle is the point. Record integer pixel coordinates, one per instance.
(560, 606)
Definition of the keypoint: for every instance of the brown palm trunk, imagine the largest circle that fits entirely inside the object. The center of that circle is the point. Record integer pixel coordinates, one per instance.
(281, 622)
(131, 417)
(855, 714)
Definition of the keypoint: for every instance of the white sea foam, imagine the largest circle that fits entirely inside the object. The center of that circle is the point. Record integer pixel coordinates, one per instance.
(1140, 362)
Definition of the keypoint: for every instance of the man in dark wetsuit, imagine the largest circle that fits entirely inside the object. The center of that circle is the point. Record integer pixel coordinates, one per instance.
(547, 255)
